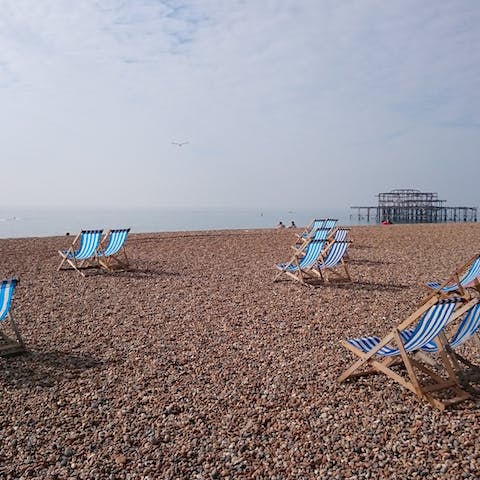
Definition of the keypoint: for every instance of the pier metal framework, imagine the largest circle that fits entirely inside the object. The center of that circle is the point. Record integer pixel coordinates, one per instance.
(414, 206)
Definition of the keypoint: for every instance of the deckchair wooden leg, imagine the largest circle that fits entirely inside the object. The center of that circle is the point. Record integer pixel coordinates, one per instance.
(15, 329)
(441, 384)
(11, 346)
(278, 274)
(447, 356)
(69, 262)
(451, 383)
(284, 269)
(61, 264)
(408, 365)
(64, 259)
(347, 273)
(71, 249)
(113, 261)
(74, 266)
(476, 339)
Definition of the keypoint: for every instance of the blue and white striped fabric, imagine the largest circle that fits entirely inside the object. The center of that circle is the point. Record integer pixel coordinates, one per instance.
(116, 241)
(330, 223)
(321, 234)
(89, 241)
(312, 252)
(320, 224)
(6, 292)
(317, 224)
(334, 255)
(467, 328)
(470, 275)
(429, 326)
(341, 235)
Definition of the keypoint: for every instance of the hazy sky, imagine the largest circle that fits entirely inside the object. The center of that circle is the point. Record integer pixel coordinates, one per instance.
(293, 103)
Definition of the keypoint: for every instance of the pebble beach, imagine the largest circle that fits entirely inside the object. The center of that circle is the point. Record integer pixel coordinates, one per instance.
(195, 365)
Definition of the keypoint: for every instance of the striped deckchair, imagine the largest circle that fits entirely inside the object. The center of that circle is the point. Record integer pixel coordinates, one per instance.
(113, 255)
(85, 255)
(331, 258)
(8, 344)
(398, 346)
(467, 276)
(302, 261)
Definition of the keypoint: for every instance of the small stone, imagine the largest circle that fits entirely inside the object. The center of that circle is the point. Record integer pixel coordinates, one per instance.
(121, 459)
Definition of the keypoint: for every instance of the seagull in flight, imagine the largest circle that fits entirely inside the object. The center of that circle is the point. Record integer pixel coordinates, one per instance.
(179, 144)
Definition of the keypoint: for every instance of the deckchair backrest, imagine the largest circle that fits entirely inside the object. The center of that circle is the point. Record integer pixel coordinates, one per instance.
(319, 223)
(316, 224)
(471, 274)
(431, 324)
(467, 328)
(89, 241)
(6, 292)
(116, 241)
(312, 252)
(321, 234)
(428, 327)
(334, 254)
(341, 235)
(330, 223)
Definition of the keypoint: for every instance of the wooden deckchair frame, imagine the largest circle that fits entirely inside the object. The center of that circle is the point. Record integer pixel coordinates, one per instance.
(73, 262)
(9, 345)
(372, 365)
(114, 261)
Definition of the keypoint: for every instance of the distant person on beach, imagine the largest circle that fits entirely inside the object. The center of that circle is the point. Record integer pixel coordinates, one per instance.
(280, 224)
(292, 225)
(386, 222)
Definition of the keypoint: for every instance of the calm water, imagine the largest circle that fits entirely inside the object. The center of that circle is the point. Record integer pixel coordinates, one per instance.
(33, 222)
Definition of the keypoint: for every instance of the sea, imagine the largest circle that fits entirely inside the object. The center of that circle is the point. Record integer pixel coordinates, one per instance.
(18, 222)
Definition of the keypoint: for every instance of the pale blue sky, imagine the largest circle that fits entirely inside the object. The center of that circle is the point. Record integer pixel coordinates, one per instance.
(290, 103)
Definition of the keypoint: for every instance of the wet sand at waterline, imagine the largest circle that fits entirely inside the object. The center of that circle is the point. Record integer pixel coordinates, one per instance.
(194, 365)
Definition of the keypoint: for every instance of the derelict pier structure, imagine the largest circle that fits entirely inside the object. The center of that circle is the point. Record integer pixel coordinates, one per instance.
(414, 206)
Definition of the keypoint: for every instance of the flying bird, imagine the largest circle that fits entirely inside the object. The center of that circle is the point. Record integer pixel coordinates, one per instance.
(179, 144)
